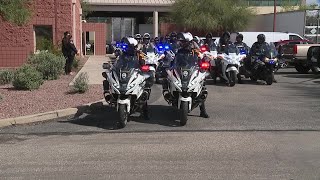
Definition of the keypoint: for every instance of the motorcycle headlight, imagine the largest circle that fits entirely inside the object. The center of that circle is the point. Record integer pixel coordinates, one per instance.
(116, 85)
(178, 83)
(131, 86)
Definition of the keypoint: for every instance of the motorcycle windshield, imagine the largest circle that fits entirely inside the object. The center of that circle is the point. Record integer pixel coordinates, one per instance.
(125, 67)
(232, 49)
(186, 64)
(272, 52)
(212, 47)
(148, 49)
(186, 61)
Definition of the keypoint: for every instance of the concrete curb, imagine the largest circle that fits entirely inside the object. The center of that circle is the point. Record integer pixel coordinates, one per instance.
(47, 115)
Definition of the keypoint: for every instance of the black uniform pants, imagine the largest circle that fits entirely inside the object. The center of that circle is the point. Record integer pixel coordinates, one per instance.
(68, 66)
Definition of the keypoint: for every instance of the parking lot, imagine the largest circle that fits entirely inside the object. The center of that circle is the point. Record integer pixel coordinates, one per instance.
(253, 129)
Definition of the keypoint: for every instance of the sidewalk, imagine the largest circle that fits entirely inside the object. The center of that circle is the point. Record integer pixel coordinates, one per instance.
(93, 67)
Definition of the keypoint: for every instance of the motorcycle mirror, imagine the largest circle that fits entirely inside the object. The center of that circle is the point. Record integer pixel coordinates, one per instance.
(106, 66)
(104, 74)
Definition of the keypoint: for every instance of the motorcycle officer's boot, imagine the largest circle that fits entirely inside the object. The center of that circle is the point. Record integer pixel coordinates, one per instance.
(274, 80)
(239, 79)
(203, 111)
(145, 112)
(106, 90)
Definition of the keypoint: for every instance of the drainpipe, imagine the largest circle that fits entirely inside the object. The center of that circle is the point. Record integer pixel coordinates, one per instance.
(74, 21)
(81, 42)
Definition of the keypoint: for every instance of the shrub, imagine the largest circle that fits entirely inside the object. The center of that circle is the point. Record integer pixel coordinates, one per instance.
(6, 76)
(48, 64)
(1, 98)
(81, 83)
(75, 63)
(27, 78)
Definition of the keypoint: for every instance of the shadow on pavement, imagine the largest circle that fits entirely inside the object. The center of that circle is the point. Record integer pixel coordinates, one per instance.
(106, 117)
(304, 76)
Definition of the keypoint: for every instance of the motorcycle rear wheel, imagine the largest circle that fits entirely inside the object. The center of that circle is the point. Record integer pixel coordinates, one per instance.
(184, 109)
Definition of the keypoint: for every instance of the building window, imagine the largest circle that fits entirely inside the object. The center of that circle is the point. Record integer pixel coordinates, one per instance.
(43, 37)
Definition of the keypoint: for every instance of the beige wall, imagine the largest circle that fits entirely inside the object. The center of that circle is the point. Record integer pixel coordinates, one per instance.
(266, 9)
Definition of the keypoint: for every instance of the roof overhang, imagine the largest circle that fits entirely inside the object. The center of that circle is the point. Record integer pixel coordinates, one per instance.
(130, 5)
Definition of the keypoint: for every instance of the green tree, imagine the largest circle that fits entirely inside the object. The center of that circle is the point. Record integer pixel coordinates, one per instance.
(15, 11)
(85, 8)
(288, 5)
(232, 15)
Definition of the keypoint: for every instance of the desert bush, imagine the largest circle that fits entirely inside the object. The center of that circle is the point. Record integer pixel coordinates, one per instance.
(27, 78)
(81, 83)
(49, 65)
(6, 76)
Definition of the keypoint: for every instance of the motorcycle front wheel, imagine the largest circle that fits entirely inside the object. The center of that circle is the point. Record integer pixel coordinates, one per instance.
(184, 109)
(232, 76)
(123, 114)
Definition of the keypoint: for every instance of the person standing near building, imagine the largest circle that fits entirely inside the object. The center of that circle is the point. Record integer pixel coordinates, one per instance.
(69, 51)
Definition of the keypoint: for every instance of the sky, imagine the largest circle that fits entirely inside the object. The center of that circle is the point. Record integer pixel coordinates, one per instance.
(313, 1)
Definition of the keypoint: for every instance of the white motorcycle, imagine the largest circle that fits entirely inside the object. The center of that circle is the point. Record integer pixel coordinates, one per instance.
(209, 55)
(227, 65)
(127, 87)
(186, 89)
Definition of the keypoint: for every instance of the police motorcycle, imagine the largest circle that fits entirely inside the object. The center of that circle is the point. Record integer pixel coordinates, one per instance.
(126, 85)
(165, 60)
(243, 52)
(263, 66)
(151, 58)
(227, 65)
(186, 84)
(209, 54)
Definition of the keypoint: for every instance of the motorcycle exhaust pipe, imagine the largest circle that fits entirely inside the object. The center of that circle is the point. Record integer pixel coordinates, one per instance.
(204, 95)
(107, 97)
(167, 96)
(145, 96)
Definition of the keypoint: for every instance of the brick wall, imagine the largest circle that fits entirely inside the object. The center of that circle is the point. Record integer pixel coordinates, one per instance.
(100, 30)
(17, 43)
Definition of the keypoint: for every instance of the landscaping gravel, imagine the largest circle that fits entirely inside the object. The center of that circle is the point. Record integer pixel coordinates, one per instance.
(52, 95)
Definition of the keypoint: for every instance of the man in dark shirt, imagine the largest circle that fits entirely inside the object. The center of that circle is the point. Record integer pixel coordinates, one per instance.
(69, 51)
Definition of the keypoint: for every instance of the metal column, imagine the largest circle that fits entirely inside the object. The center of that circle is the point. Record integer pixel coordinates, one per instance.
(155, 24)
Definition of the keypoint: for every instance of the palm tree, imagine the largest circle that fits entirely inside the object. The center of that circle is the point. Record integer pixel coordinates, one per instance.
(210, 15)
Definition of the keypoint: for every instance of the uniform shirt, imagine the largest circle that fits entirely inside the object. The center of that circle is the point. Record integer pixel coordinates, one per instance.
(259, 49)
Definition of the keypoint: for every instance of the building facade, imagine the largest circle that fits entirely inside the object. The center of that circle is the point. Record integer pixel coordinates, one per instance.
(50, 19)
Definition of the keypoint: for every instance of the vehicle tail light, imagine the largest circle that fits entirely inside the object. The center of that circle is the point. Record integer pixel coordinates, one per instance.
(204, 48)
(204, 65)
(145, 68)
(295, 49)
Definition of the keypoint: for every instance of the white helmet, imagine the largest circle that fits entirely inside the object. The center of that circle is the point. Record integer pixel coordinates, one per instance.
(196, 39)
(146, 36)
(185, 37)
(130, 41)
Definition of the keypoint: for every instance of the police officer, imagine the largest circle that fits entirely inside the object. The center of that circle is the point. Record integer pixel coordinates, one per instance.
(224, 42)
(239, 42)
(260, 48)
(187, 46)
